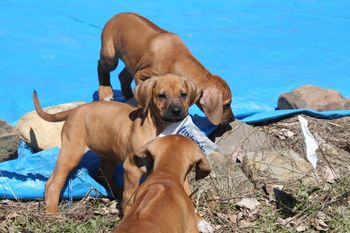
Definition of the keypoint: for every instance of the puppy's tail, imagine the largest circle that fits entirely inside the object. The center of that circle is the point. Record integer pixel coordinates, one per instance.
(56, 117)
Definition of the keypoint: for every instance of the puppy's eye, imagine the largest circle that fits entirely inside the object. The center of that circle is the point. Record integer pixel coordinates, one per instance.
(162, 96)
(183, 95)
(228, 105)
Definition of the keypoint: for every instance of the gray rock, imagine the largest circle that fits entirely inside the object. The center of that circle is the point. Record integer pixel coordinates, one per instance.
(238, 138)
(233, 141)
(9, 141)
(279, 167)
(333, 162)
(313, 97)
(228, 177)
(40, 134)
(286, 167)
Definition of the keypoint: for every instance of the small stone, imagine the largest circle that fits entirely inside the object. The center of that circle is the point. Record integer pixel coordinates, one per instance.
(9, 141)
(249, 203)
(313, 97)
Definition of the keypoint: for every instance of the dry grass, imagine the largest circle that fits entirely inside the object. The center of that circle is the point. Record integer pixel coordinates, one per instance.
(295, 209)
(88, 215)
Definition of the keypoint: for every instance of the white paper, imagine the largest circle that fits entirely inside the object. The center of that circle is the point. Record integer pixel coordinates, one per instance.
(188, 129)
(310, 142)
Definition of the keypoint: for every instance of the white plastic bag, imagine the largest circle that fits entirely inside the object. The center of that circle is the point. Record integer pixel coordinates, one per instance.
(310, 142)
(188, 129)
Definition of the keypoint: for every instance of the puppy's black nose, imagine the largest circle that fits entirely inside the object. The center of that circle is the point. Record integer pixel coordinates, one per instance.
(176, 111)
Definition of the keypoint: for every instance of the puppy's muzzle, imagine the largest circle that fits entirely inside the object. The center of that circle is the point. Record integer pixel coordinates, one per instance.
(227, 117)
(174, 113)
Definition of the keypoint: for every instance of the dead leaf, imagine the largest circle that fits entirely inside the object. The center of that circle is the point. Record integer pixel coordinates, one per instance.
(269, 189)
(319, 222)
(301, 228)
(245, 224)
(288, 133)
(238, 155)
(348, 200)
(12, 215)
(249, 203)
(112, 209)
(105, 200)
(239, 216)
(285, 222)
(329, 175)
(233, 218)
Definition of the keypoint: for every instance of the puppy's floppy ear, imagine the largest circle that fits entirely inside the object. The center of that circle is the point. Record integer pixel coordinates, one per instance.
(143, 92)
(202, 165)
(144, 157)
(211, 103)
(193, 92)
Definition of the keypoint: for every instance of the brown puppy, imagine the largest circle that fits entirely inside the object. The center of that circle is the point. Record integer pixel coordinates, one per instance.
(148, 50)
(115, 130)
(161, 204)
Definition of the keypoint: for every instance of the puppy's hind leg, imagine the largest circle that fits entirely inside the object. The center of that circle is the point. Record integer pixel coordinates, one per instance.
(108, 62)
(202, 225)
(125, 83)
(68, 158)
(107, 168)
(132, 177)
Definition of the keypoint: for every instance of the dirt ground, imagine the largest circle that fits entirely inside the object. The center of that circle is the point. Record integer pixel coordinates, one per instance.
(325, 209)
(301, 209)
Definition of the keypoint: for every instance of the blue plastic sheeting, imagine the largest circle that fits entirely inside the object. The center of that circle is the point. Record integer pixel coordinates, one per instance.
(24, 178)
(262, 48)
(274, 115)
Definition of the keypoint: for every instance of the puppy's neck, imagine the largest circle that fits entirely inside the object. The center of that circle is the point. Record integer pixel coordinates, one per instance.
(191, 68)
(153, 118)
(177, 169)
(210, 80)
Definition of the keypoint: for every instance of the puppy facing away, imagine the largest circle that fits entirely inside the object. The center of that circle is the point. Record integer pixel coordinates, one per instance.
(161, 204)
(115, 130)
(148, 50)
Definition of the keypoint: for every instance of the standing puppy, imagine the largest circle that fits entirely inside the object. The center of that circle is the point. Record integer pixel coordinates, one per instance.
(115, 130)
(148, 50)
(161, 204)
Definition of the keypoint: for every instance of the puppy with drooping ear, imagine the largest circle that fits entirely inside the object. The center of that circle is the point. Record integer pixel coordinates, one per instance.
(115, 130)
(161, 203)
(170, 100)
(148, 50)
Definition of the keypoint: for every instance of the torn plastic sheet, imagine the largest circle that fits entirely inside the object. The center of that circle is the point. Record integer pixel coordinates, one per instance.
(310, 142)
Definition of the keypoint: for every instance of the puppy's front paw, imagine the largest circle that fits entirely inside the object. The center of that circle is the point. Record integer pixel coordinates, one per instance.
(205, 227)
(105, 93)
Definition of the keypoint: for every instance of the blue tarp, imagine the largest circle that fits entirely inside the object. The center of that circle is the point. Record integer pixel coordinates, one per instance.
(25, 177)
(261, 48)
